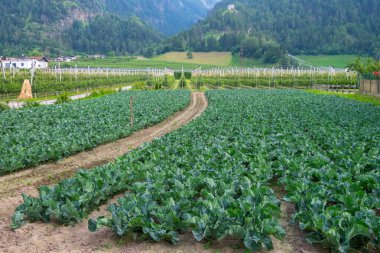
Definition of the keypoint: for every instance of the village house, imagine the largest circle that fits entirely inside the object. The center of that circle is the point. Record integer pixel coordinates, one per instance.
(65, 59)
(25, 63)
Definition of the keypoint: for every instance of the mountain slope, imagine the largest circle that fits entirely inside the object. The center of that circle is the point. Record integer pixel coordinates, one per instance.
(298, 26)
(55, 27)
(168, 16)
(93, 26)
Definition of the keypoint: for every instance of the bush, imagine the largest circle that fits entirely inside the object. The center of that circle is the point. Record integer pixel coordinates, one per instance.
(182, 82)
(4, 107)
(30, 104)
(102, 92)
(189, 55)
(177, 75)
(63, 98)
(140, 86)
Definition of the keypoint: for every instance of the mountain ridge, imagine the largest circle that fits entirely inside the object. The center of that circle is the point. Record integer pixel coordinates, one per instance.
(167, 16)
(54, 27)
(298, 26)
(262, 29)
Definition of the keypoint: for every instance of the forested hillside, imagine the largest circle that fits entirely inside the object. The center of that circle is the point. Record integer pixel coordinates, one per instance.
(112, 35)
(54, 27)
(265, 28)
(167, 16)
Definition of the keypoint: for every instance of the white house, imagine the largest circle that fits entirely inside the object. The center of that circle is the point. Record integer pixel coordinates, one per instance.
(231, 7)
(27, 63)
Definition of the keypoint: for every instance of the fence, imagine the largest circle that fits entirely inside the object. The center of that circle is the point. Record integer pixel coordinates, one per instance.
(336, 88)
(371, 87)
(370, 84)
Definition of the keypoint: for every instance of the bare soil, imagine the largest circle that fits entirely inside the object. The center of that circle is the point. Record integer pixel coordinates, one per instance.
(40, 237)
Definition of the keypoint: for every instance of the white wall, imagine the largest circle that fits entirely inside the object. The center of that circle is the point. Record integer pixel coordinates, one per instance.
(21, 64)
(26, 64)
(42, 64)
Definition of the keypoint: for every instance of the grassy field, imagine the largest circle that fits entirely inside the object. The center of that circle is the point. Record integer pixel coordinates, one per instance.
(173, 60)
(248, 62)
(337, 61)
(130, 62)
(358, 97)
(177, 60)
(211, 58)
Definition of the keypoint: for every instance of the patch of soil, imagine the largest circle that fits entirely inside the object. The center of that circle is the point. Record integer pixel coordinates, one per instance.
(295, 239)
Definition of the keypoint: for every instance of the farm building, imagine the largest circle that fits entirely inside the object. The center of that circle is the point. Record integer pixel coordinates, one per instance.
(231, 7)
(26, 63)
(65, 59)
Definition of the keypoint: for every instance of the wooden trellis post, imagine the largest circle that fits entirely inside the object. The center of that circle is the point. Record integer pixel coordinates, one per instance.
(131, 114)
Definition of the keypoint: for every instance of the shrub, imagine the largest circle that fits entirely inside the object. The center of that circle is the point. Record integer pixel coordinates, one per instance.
(63, 98)
(4, 107)
(177, 75)
(30, 104)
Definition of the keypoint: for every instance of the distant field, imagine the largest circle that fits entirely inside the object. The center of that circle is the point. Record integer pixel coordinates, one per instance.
(211, 58)
(338, 61)
(248, 62)
(130, 62)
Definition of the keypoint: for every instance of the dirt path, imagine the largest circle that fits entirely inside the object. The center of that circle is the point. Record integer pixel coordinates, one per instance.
(50, 238)
(13, 185)
(40, 237)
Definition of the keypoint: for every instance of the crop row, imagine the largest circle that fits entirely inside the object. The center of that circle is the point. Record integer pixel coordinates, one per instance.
(49, 82)
(31, 136)
(213, 176)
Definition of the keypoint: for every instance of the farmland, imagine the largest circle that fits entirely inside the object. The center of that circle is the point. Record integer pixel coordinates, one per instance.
(52, 81)
(55, 81)
(199, 58)
(131, 62)
(337, 61)
(37, 135)
(190, 126)
(356, 96)
(177, 60)
(271, 78)
(215, 177)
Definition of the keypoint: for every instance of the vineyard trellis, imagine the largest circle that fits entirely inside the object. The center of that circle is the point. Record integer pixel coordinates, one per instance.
(277, 77)
(59, 79)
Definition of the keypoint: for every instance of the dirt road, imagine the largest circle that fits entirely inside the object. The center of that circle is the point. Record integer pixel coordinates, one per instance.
(13, 185)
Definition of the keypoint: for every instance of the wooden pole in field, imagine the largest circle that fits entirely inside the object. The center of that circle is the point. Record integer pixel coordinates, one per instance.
(60, 72)
(3, 70)
(131, 116)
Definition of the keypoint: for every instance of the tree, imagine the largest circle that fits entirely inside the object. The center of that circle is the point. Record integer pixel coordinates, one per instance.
(212, 44)
(189, 55)
(148, 52)
(369, 66)
(250, 45)
(377, 53)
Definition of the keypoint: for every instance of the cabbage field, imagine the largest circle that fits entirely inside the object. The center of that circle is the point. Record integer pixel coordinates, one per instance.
(214, 176)
(32, 136)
